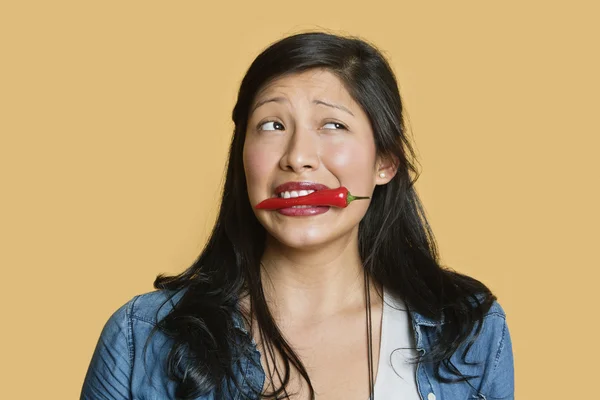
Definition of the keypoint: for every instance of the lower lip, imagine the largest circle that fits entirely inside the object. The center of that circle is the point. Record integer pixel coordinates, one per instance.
(302, 212)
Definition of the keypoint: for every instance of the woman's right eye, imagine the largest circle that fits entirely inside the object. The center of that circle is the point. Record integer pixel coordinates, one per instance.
(271, 124)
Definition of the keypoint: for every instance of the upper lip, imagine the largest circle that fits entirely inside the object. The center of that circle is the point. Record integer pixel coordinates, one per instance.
(305, 185)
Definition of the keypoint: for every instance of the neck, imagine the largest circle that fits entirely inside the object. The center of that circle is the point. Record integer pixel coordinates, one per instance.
(303, 285)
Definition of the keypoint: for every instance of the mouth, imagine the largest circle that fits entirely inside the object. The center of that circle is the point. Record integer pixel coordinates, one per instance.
(293, 193)
(297, 189)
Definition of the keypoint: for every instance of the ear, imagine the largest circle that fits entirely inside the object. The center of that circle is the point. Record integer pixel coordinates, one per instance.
(388, 166)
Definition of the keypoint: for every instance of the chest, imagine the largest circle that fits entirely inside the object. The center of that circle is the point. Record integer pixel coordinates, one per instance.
(334, 354)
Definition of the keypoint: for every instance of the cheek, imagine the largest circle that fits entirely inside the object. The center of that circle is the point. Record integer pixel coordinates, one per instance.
(257, 165)
(351, 161)
(253, 163)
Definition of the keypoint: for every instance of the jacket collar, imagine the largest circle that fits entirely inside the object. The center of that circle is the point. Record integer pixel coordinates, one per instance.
(238, 323)
(423, 320)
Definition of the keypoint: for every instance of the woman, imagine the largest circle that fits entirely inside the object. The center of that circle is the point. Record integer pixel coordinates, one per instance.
(318, 301)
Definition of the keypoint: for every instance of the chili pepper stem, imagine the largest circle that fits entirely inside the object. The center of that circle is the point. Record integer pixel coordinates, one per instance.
(352, 198)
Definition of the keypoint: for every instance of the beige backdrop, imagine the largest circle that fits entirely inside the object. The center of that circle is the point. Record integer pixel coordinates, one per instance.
(115, 122)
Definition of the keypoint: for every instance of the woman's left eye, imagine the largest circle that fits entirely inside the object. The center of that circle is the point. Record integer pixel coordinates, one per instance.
(337, 125)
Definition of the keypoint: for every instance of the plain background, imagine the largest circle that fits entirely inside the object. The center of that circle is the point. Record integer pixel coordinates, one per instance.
(115, 120)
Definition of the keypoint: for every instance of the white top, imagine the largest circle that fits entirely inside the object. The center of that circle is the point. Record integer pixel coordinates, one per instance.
(396, 378)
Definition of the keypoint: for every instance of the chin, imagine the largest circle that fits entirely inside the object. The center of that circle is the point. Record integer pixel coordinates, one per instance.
(301, 240)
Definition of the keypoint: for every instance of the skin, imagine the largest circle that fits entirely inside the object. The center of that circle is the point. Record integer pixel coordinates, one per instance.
(312, 271)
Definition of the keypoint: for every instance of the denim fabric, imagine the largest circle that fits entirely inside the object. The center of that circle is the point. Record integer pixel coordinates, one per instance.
(119, 369)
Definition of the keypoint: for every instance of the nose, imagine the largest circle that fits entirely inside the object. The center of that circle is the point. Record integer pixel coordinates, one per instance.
(302, 151)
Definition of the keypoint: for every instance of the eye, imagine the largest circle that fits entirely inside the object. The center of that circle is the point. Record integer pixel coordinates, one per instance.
(274, 125)
(337, 125)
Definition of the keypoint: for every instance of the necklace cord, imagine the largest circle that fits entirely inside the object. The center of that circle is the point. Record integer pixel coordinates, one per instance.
(369, 336)
(369, 344)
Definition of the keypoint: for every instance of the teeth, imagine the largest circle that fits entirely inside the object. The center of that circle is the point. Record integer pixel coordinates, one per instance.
(294, 193)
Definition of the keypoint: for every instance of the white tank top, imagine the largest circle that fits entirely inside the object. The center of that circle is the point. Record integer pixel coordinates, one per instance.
(396, 378)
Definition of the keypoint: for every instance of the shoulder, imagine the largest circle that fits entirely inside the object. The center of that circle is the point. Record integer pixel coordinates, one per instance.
(493, 330)
(489, 337)
(486, 354)
(151, 307)
(495, 312)
(148, 308)
(492, 349)
(115, 357)
(494, 322)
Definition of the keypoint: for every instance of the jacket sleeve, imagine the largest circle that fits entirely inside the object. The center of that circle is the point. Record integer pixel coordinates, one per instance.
(493, 358)
(502, 382)
(108, 375)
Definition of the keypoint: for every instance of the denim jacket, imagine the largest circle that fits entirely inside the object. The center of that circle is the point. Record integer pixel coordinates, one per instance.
(120, 370)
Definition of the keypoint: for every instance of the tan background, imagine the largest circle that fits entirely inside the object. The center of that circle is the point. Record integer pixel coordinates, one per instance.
(115, 122)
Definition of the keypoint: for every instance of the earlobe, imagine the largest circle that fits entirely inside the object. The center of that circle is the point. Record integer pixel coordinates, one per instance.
(388, 167)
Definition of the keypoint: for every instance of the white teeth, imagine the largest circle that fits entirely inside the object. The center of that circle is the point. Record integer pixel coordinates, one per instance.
(294, 193)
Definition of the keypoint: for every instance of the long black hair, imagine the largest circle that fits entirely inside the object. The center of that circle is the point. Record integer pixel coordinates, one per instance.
(396, 244)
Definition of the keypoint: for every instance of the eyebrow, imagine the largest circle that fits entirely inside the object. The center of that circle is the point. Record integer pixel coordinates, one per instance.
(280, 99)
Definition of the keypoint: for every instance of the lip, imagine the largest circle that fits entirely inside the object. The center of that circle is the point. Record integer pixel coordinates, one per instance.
(305, 185)
(303, 212)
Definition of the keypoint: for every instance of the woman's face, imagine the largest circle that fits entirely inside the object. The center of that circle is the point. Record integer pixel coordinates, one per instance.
(306, 127)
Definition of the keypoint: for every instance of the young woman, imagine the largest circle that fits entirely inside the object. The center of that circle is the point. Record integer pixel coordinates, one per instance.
(321, 301)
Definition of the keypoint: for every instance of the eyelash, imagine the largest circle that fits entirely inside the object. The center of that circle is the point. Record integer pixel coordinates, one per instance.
(344, 127)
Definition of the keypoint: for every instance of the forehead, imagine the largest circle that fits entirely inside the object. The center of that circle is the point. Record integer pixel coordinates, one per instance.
(314, 83)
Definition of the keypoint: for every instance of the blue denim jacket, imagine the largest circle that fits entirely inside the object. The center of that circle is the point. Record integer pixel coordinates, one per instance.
(119, 370)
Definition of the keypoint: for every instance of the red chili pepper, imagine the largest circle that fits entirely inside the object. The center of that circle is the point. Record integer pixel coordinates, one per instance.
(339, 197)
